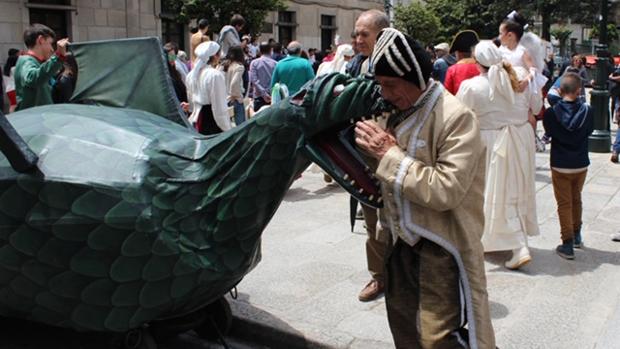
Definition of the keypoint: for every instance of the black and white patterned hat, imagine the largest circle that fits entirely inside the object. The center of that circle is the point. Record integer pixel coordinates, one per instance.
(399, 55)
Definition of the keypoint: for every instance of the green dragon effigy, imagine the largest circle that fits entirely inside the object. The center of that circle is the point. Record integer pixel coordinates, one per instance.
(127, 216)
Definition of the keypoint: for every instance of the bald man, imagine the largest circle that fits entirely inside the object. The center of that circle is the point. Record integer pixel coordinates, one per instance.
(367, 27)
(293, 71)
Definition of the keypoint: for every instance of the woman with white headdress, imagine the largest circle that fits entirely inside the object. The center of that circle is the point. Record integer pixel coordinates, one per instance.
(510, 197)
(344, 53)
(206, 91)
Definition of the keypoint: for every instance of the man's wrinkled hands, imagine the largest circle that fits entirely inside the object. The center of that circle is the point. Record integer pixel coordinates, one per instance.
(372, 139)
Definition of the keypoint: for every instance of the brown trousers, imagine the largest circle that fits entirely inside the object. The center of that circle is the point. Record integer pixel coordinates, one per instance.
(422, 297)
(375, 243)
(567, 189)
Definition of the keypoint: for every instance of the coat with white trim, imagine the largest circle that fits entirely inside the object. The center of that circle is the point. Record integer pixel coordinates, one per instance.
(436, 191)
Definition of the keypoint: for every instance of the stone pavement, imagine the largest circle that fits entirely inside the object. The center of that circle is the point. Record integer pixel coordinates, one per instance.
(304, 292)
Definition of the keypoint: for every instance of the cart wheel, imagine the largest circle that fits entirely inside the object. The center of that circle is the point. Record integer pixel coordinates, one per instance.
(218, 320)
(139, 338)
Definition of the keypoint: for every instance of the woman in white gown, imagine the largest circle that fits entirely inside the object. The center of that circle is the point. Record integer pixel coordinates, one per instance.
(344, 53)
(206, 91)
(510, 197)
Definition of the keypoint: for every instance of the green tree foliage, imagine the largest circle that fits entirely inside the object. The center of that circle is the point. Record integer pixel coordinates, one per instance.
(484, 16)
(561, 34)
(612, 32)
(417, 21)
(219, 12)
(559, 11)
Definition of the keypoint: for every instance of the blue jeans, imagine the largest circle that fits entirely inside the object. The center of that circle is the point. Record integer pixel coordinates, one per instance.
(239, 112)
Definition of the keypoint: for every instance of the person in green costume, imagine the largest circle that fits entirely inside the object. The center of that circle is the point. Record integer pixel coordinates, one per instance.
(36, 69)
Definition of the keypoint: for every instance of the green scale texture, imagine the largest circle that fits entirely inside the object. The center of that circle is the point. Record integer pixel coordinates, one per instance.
(132, 217)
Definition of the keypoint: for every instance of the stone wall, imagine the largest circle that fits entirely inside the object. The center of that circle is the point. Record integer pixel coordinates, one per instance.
(308, 17)
(11, 26)
(89, 20)
(115, 19)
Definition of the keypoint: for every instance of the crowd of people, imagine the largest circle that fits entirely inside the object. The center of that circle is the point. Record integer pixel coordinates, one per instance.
(457, 166)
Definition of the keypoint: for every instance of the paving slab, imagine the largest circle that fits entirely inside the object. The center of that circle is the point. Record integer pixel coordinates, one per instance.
(550, 303)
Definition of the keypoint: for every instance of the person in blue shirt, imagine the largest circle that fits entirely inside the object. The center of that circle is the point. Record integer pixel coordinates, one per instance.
(293, 71)
(443, 62)
(569, 123)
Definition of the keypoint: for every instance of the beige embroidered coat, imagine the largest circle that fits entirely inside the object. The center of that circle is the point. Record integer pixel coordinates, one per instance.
(433, 187)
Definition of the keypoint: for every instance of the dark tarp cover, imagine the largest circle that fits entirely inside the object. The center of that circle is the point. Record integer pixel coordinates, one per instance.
(126, 73)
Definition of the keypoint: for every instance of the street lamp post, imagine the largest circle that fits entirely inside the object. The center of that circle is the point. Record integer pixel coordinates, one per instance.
(388, 6)
(600, 140)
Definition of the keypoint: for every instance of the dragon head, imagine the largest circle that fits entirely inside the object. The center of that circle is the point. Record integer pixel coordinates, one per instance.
(332, 104)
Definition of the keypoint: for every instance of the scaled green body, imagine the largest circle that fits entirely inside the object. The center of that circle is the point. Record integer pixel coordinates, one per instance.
(131, 217)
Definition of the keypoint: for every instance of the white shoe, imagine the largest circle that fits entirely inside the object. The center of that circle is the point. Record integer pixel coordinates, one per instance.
(520, 257)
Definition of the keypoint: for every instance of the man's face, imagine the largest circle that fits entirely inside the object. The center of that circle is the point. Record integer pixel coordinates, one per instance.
(45, 46)
(365, 35)
(400, 92)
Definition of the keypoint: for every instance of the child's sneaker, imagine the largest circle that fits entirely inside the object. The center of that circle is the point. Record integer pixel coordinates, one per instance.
(578, 242)
(565, 250)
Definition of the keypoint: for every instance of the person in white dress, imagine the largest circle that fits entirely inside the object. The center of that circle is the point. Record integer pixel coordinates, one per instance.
(510, 197)
(526, 50)
(523, 49)
(206, 91)
(344, 53)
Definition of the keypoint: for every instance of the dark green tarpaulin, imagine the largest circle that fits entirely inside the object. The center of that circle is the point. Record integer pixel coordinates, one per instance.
(127, 73)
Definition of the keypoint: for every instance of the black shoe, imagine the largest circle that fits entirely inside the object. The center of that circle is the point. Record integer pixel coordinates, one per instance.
(565, 250)
(578, 242)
